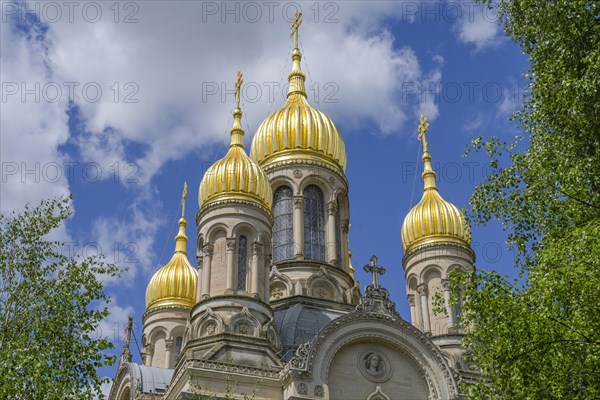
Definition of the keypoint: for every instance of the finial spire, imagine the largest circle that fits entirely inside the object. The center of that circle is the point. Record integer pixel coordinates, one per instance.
(181, 239)
(296, 77)
(423, 128)
(375, 270)
(295, 25)
(237, 133)
(428, 172)
(238, 86)
(183, 198)
(126, 353)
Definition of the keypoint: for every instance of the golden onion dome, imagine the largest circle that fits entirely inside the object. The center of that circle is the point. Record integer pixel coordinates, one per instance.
(298, 131)
(235, 177)
(174, 285)
(433, 219)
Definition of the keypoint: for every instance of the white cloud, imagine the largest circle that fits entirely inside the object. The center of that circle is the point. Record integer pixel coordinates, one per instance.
(431, 89)
(31, 126)
(510, 103)
(474, 124)
(127, 242)
(106, 387)
(113, 326)
(178, 51)
(478, 26)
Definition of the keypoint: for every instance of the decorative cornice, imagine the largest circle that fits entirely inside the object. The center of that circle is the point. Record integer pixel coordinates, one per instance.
(227, 202)
(426, 246)
(286, 164)
(157, 309)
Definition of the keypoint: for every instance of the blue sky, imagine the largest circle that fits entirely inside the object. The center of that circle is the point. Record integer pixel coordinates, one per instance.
(121, 104)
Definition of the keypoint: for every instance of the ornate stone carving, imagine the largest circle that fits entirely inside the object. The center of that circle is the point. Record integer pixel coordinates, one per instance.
(304, 358)
(244, 323)
(257, 248)
(168, 344)
(319, 391)
(422, 289)
(374, 365)
(300, 358)
(378, 395)
(446, 284)
(377, 299)
(298, 202)
(244, 328)
(208, 249)
(297, 174)
(322, 292)
(231, 242)
(302, 388)
(277, 293)
(332, 179)
(210, 328)
(332, 207)
(411, 299)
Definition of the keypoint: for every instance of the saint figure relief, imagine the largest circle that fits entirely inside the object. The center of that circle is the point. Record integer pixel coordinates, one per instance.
(374, 364)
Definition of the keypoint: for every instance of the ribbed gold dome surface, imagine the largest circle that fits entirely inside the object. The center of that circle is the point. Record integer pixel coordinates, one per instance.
(235, 177)
(175, 283)
(433, 219)
(298, 131)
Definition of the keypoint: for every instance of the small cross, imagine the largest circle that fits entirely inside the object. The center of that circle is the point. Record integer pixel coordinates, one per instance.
(423, 127)
(238, 85)
(183, 197)
(295, 25)
(375, 270)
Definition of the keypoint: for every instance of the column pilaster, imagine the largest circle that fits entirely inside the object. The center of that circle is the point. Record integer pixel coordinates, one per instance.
(254, 272)
(331, 233)
(298, 227)
(230, 261)
(422, 290)
(208, 250)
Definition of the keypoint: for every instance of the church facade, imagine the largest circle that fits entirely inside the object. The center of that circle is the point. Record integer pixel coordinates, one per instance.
(273, 310)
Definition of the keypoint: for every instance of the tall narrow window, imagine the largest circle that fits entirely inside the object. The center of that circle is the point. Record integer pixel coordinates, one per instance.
(283, 229)
(242, 263)
(314, 224)
(178, 344)
(338, 235)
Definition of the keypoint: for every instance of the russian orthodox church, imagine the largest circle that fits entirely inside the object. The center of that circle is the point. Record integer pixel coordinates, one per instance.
(273, 310)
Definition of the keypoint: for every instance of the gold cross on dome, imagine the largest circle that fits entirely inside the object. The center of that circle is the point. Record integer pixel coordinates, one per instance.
(183, 197)
(375, 270)
(238, 85)
(295, 25)
(423, 127)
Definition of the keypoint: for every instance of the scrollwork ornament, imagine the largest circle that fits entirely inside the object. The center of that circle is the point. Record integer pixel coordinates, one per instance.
(300, 358)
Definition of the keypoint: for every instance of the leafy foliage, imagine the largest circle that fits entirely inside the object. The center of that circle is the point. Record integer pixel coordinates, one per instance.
(51, 303)
(540, 338)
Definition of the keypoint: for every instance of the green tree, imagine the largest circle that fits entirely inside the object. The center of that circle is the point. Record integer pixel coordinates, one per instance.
(539, 337)
(51, 303)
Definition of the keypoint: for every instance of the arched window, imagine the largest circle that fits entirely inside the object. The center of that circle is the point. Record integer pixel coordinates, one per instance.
(283, 228)
(314, 224)
(338, 235)
(242, 263)
(178, 344)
